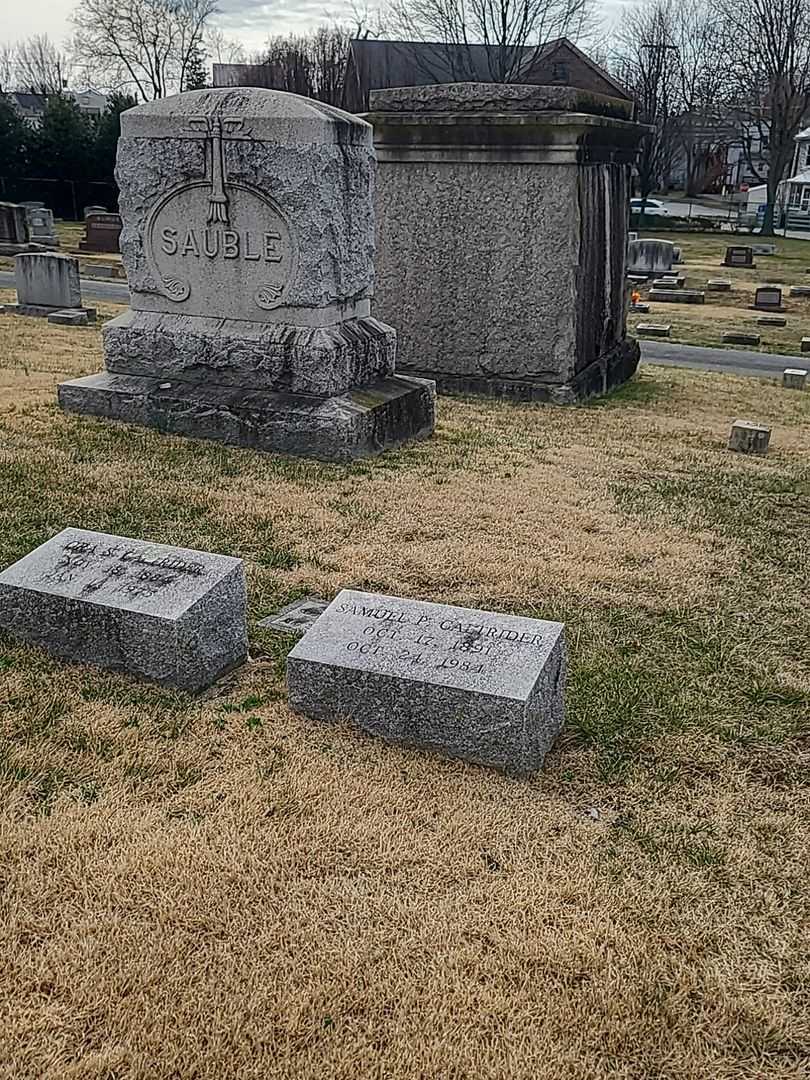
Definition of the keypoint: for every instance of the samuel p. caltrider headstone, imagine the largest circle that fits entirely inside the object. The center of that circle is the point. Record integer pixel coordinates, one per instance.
(172, 615)
(248, 241)
(477, 685)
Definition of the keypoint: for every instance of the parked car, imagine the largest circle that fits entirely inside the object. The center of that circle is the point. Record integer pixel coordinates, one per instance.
(651, 207)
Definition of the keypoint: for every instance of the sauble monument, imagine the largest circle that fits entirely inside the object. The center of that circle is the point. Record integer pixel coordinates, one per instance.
(248, 240)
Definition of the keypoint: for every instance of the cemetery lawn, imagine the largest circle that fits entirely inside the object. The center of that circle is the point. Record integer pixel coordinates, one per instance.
(217, 888)
(724, 312)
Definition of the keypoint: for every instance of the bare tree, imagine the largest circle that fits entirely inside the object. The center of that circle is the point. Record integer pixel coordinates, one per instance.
(647, 65)
(313, 65)
(141, 45)
(768, 44)
(8, 60)
(222, 49)
(514, 30)
(39, 66)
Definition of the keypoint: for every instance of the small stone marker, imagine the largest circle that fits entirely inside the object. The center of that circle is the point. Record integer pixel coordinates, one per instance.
(475, 685)
(739, 338)
(739, 256)
(640, 309)
(794, 378)
(654, 329)
(746, 437)
(666, 283)
(68, 317)
(718, 285)
(47, 282)
(101, 232)
(763, 249)
(800, 290)
(768, 298)
(172, 615)
(806, 344)
(772, 320)
(298, 617)
(678, 296)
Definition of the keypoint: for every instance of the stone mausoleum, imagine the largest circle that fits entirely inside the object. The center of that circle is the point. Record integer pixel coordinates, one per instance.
(502, 215)
(248, 241)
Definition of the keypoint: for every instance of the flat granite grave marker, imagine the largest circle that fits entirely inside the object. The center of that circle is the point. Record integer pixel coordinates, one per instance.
(768, 298)
(476, 685)
(248, 242)
(173, 615)
(102, 232)
(747, 437)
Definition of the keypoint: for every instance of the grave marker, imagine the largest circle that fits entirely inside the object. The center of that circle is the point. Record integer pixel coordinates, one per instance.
(101, 233)
(794, 378)
(768, 298)
(173, 615)
(484, 687)
(248, 245)
(47, 282)
(746, 437)
(739, 256)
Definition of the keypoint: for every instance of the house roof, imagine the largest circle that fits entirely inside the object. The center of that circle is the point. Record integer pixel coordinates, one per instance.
(384, 64)
(31, 102)
(799, 178)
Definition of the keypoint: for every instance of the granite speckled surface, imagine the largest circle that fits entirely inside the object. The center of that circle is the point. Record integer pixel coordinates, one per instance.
(477, 685)
(172, 615)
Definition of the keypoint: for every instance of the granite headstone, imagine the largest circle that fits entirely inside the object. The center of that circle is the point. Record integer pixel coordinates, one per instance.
(248, 242)
(484, 687)
(101, 233)
(172, 615)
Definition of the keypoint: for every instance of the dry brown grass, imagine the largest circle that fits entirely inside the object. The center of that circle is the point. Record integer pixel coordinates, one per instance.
(219, 888)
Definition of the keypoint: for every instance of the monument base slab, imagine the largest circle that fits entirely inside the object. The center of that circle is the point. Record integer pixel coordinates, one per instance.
(40, 311)
(362, 422)
(321, 360)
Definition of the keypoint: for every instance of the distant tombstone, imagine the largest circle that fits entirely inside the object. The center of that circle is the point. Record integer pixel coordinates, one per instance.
(740, 337)
(794, 378)
(41, 227)
(677, 296)
(768, 298)
(654, 329)
(248, 246)
(32, 204)
(172, 615)
(718, 285)
(650, 257)
(746, 437)
(101, 233)
(739, 256)
(88, 210)
(46, 282)
(800, 290)
(476, 685)
(763, 249)
(13, 228)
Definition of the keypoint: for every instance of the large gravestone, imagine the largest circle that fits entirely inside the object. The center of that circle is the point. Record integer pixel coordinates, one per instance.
(739, 255)
(248, 243)
(13, 229)
(172, 615)
(47, 282)
(101, 233)
(476, 685)
(650, 257)
(502, 214)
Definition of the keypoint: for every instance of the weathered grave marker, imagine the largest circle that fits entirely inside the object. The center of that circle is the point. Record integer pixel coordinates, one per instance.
(746, 437)
(650, 257)
(476, 685)
(47, 282)
(678, 296)
(794, 378)
(172, 615)
(248, 243)
(101, 233)
(800, 290)
(738, 255)
(718, 285)
(654, 329)
(41, 227)
(740, 337)
(768, 298)
(298, 617)
(772, 320)
(13, 228)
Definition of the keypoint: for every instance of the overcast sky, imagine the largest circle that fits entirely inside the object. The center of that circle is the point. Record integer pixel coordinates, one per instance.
(250, 21)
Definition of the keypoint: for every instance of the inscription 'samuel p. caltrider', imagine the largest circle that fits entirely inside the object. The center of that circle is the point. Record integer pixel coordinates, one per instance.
(475, 685)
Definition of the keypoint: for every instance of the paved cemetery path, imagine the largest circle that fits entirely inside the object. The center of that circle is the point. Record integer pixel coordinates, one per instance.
(736, 361)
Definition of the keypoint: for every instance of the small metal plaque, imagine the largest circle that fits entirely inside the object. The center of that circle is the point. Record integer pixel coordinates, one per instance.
(298, 617)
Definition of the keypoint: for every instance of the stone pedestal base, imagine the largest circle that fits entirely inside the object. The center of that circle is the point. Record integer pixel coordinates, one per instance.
(359, 423)
(42, 311)
(604, 374)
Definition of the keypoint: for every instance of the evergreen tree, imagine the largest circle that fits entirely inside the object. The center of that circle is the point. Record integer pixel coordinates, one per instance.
(62, 147)
(196, 75)
(108, 130)
(15, 141)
